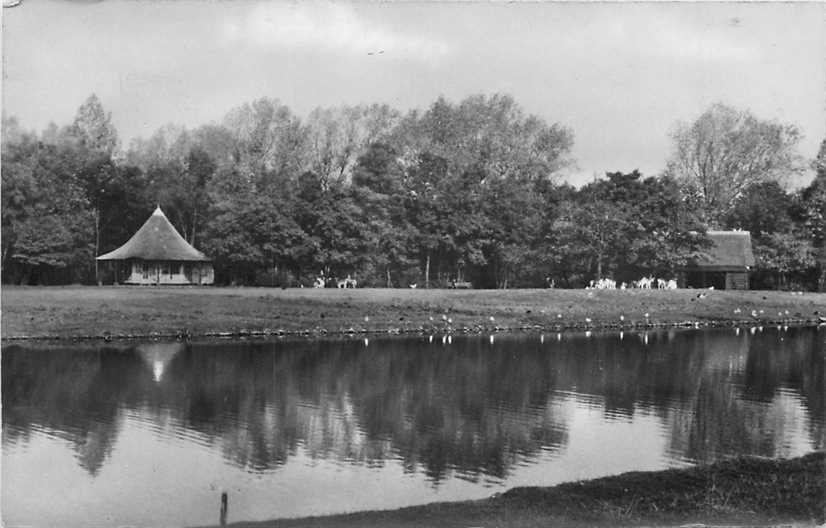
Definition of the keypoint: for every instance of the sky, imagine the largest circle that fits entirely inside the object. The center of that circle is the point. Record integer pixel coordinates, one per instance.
(620, 75)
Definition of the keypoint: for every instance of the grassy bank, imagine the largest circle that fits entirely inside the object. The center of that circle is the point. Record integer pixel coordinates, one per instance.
(77, 311)
(737, 491)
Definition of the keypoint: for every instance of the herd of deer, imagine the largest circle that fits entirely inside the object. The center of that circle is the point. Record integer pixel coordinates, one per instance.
(645, 283)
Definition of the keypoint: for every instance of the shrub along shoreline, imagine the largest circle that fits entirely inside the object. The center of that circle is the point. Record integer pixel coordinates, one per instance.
(743, 490)
(122, 312)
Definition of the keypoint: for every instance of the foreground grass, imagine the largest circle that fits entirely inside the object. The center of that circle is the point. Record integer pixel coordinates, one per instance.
(737, 491)
(122, 311)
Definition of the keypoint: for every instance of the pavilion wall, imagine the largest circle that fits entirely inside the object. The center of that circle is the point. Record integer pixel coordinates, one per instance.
(170, 273)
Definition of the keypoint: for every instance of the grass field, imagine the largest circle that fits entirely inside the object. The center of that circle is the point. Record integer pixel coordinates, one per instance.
(122, 311)
(737, 492)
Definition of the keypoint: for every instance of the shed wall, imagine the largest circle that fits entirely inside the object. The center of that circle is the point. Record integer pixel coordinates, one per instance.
(737, 281)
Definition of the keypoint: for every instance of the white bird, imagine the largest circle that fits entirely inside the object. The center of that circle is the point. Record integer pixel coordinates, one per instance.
(622, 318)
(444, 317)
(559, 316)
(449, 320)
(491, 319)
(587, 319)
(366, 318)
(646, 315)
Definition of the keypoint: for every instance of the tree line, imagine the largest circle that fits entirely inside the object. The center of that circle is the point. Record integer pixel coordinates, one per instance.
(469, 190)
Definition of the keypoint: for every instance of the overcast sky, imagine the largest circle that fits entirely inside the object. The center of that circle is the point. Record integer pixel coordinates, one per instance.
(620, 75)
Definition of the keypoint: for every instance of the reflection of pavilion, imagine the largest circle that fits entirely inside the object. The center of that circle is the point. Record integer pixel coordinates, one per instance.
(158, 356)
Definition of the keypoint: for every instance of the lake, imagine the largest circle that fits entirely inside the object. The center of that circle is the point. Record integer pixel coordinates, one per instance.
(151, 434)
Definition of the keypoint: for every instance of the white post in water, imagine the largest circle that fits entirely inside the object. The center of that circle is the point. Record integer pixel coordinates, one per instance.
(224, 508)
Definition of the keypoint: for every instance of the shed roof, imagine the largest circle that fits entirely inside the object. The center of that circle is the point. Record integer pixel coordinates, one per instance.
(728, 249)
(157, 239)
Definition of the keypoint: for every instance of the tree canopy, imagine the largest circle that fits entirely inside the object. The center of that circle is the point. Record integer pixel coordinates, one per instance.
(459, 191)
(725, 151)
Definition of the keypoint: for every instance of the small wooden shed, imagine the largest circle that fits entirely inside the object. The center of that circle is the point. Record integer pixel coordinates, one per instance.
(158, 254)
(726, 265)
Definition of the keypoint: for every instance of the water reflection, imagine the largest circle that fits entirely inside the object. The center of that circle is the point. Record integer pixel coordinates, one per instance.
(477, 409)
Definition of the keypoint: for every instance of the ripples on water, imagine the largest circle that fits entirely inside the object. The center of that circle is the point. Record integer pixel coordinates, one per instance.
(92, 436)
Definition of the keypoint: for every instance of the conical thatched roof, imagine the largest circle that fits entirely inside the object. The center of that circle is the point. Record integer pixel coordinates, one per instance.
(157, 239)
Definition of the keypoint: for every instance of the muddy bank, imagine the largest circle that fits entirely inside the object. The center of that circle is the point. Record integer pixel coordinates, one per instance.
(744, 490)
(163, 312)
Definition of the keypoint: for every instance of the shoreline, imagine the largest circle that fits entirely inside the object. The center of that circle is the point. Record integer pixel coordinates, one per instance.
(741, 490)
(130, 313)
(316, 333)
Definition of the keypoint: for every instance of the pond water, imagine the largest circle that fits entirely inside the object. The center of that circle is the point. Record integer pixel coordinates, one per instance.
(151, 434)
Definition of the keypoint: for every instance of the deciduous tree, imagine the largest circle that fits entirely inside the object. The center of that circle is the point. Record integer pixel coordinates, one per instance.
(725, 151)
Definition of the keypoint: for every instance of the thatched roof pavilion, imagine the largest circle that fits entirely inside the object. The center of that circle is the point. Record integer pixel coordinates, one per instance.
(158, 254)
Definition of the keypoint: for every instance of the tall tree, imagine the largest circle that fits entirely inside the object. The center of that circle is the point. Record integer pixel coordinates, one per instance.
(813, 202)
(488, 134)
(336, 137)
(268, 138)
(47, 221)
(726, 150)
(93, 127)
(377, 185)
(96, 142)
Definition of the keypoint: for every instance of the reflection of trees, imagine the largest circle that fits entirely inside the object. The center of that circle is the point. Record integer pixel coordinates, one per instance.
(797, 361)
(469, 407)
(69, 392)
(746, 409)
